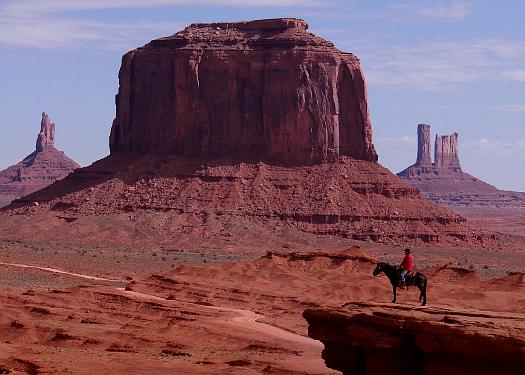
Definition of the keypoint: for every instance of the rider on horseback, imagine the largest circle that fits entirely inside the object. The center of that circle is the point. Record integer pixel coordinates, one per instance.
(406, 267)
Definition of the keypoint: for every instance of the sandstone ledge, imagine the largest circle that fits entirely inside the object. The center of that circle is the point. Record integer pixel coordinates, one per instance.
(387, 339)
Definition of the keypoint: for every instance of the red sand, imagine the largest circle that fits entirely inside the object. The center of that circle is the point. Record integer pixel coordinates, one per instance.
(201, 319)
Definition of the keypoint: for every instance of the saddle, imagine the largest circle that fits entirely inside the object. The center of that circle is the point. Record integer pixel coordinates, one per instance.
(409, 279)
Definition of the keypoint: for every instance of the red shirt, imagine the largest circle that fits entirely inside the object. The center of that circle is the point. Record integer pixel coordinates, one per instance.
(406, 264)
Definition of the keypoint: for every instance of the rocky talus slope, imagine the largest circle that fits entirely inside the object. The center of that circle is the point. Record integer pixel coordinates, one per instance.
(39, 169)
(385, 339)
(350, 198)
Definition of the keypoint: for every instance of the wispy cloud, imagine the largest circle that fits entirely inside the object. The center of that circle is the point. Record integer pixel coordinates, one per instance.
(397, 141)
(454, 11)
(49, 24)
(510, 108)
(22, 8)
(485, 145)
(514, 75)
(448, 11)
(55, 33)
(439, 65)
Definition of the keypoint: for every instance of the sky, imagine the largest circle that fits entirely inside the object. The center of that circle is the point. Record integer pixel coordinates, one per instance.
(456, 65)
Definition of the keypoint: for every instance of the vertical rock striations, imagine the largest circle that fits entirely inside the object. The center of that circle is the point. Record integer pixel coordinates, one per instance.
(446, 152)
(423, 145)
(258, 90)
(46, 137)
(39, 169)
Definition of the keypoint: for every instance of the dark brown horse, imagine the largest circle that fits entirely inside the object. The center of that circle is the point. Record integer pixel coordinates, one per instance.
(394, 275)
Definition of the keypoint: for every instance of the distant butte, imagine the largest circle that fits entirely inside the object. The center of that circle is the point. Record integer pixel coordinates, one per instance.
(39, 169)
(445, 175)
(445, 183)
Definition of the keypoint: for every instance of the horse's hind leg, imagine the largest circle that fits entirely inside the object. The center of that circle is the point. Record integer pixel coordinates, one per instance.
(423, 292)
(394, 289)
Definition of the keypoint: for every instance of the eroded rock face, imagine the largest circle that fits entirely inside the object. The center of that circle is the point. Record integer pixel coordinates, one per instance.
(423, 145)
(46, 137)
(446, 152)
(259, 90)
(384, 339)
(39, 169)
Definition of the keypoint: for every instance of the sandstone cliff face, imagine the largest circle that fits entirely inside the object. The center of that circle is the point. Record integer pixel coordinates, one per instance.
(446, 152)
(423, 145)
(378, 339)
(260, 90)
(46, 137)
(39, 169)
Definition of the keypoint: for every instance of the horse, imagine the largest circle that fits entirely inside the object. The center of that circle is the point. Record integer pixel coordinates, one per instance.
(394, 274)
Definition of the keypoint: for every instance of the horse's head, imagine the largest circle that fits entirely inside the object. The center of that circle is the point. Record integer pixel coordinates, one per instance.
(379, 269)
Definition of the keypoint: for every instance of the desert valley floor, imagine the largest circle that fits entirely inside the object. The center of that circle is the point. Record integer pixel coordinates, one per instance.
(74, 311)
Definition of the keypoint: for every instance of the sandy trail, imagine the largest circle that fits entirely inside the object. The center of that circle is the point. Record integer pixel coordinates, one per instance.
(246, 318)
(54, 270)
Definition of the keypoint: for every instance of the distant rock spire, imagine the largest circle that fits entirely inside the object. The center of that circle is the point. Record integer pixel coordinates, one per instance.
(446, 151)
(46, 137)
(423, 145)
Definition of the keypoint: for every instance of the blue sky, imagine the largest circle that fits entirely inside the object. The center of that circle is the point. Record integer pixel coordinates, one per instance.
(457, 65)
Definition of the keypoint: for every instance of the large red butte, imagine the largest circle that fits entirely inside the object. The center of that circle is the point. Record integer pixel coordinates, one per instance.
(259, 90)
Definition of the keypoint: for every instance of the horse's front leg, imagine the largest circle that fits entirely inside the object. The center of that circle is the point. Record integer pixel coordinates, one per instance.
(394, 290)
